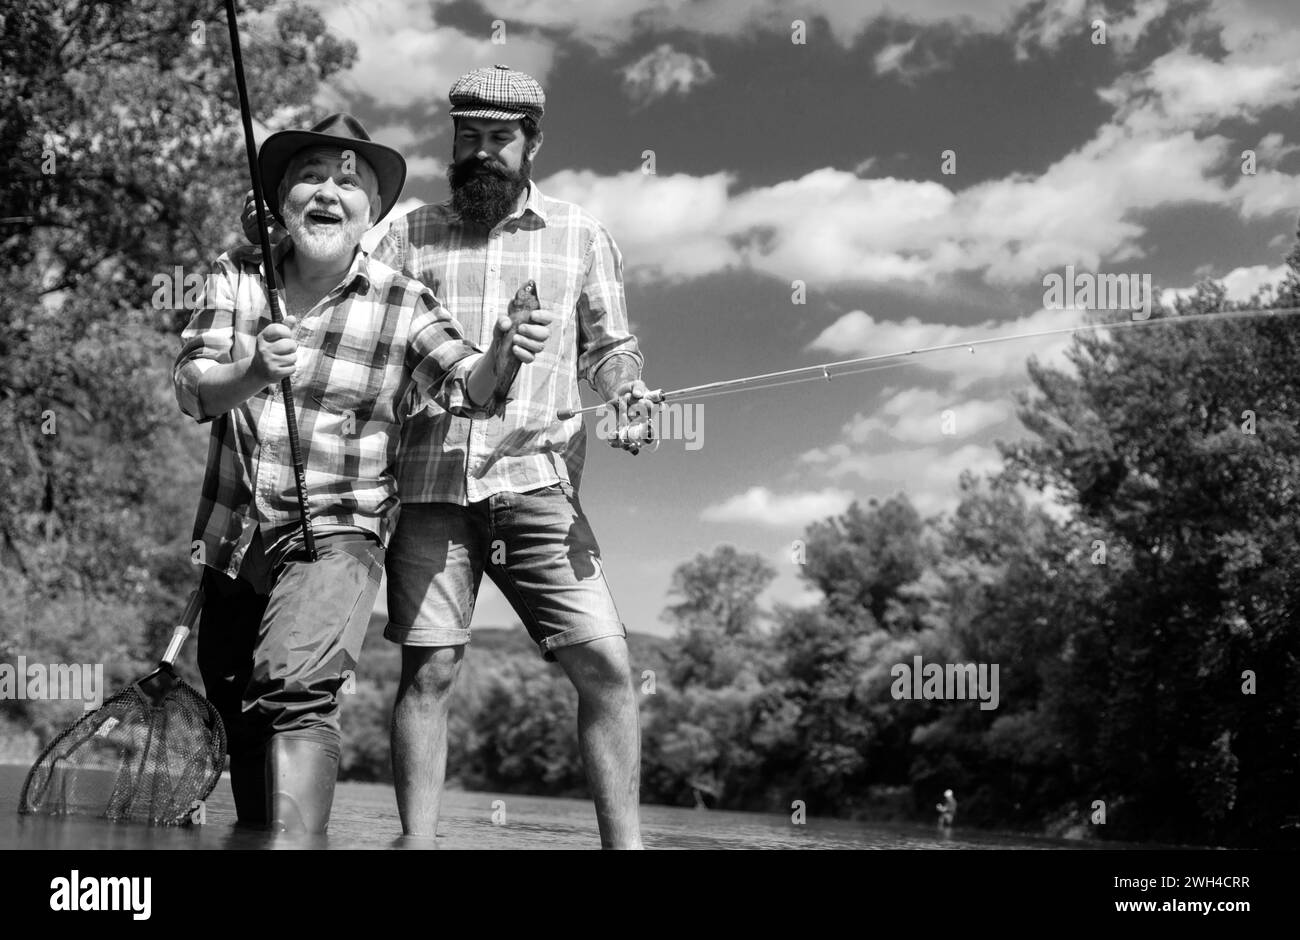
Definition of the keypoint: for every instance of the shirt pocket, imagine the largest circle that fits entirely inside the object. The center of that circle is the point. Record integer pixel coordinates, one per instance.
(352, 378)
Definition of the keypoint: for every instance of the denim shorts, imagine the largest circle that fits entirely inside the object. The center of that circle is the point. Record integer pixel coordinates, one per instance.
(536, 547)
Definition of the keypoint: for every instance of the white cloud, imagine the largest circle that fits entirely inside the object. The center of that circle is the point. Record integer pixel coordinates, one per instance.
(1242, 283)
(1249, 23)
(664, 71)
(405, 58)
(891, 57)
(920, 439)
(401, 137)
(1267, 193)
(1059, 22)
(1089, 207)
(1273, 148)
(925, 416)
(857, 333)
(834, 227)
(788, 588)
(611, 23)
(421, 167)
(1127, 31)
(864, 166)
(1239, 284)
(1052, 23)
(413, 145)
(665, 226)
(760, 506)
(928, 475)
(1183, 90)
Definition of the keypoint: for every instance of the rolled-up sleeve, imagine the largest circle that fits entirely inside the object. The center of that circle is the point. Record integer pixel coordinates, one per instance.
(208, 339)
(441, 360)
(603, 330)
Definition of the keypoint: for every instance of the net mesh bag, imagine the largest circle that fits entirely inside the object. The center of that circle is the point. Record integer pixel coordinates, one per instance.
(149, 754)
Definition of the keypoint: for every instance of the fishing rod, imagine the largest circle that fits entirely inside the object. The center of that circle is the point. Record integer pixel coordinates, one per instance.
(882, 360)
(272, 280)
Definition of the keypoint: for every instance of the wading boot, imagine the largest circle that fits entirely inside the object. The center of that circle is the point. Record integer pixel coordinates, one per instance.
(300, 775)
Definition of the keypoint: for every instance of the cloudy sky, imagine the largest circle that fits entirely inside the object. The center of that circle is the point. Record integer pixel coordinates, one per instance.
(823, 162)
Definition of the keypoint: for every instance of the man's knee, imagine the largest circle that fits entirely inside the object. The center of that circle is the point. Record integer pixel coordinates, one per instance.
(429, 672)
(600, 664)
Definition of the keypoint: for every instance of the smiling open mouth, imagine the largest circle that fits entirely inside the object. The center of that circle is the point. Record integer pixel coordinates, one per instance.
(324, 218)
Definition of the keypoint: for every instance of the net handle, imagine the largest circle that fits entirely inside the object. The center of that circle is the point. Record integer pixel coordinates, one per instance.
(182, 631)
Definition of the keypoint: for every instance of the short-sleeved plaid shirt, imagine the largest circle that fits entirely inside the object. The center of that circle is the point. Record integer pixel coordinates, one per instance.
(375, 348)
(474, 273)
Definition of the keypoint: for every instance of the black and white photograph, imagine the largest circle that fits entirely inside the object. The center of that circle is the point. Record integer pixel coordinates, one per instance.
(846, 426)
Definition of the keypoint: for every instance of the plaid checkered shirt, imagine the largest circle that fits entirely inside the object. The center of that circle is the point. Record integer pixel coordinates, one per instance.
(374, 349)
(579, 275)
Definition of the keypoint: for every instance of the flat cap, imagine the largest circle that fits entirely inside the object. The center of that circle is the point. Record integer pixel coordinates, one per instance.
(499, 93)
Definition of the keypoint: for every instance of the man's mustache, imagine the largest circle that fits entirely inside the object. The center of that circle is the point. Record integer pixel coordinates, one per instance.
(475, 167)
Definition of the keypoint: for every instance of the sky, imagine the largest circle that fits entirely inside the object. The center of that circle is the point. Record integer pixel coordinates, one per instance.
(909, 174)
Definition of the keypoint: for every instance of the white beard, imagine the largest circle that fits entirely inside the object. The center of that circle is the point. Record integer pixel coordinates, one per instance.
(321, 243)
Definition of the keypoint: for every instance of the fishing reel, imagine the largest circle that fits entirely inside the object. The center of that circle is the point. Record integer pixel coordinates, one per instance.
(637, 434)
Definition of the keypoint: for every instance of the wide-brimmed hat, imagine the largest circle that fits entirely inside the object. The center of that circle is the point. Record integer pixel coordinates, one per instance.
(341, 131)
(499, 93)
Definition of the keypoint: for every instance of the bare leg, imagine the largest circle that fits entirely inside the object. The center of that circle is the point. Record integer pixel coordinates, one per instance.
(609, 734)
(419, 739)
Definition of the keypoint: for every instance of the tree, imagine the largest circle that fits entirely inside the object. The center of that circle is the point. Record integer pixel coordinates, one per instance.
(124, 159)
(1179, 447)
(699, 722)
(718, 618)
(860, 559)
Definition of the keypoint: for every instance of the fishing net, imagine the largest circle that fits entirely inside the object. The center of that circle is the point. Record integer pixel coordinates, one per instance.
(149, 754)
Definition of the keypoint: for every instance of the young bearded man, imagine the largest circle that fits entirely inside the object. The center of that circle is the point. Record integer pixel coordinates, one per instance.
(364, 345)
(501, 497)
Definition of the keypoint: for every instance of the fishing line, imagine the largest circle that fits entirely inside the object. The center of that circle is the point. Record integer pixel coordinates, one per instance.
(831, 370)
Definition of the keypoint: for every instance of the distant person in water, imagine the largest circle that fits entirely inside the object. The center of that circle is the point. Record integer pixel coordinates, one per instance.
(947, 810)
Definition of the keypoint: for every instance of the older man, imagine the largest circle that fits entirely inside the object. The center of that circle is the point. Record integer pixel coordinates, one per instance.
(364, 345)
(501, 497)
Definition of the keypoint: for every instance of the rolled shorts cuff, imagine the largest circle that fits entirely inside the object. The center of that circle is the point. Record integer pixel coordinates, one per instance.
(408, 635)
(579, 635)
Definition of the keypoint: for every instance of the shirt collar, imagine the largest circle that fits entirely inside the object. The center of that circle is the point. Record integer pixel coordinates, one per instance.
(534, 203)
(360, 267)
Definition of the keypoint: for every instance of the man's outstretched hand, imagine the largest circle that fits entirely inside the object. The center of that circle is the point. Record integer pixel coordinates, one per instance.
(516, 338)
(523, 331)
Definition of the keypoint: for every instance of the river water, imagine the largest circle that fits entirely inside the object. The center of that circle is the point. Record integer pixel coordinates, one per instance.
(365, 817)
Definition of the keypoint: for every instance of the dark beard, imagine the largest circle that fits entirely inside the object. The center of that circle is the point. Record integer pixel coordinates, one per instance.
(485, 193)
